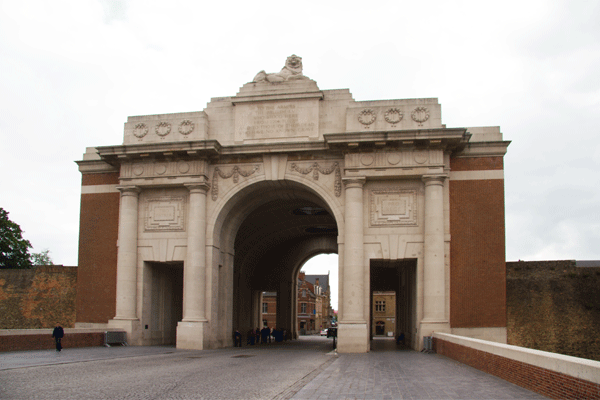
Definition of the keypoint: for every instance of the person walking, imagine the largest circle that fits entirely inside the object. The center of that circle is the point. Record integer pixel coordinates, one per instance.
(237, 339)
(58, 333)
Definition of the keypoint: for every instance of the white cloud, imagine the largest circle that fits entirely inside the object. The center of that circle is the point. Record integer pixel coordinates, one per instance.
(72, 71)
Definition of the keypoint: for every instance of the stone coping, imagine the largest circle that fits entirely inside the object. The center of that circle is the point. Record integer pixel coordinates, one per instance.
(581, 368)
(48, 331)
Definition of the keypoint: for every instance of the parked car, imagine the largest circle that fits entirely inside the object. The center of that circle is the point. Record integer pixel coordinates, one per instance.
(324, 332)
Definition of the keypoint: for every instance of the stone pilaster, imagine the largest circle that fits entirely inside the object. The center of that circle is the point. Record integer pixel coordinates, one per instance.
(434, 272)
(190, 330)
(353, 335)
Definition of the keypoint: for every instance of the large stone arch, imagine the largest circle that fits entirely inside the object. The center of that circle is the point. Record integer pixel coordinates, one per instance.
(239, 296)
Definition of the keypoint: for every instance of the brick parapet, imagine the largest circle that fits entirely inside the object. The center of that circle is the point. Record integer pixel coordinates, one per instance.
(44, 341)
(551, 381)
(38, 297)
(554, 306)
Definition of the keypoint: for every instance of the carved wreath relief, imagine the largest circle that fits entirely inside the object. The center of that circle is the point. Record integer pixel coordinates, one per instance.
(393, 207)
(163, 129)
(140, 131)
(420, 115)
(315, 168)
(186, 127)
(393, 116)
(165, 214)
(367, 117)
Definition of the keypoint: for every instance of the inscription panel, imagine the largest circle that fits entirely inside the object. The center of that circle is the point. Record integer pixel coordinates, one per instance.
(393, 207)
(165, 214)
(280, 120)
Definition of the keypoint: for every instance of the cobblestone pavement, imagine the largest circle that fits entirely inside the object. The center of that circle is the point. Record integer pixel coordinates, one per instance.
(303, 369)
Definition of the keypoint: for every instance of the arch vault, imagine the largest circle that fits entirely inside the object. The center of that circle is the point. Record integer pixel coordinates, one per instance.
(186, 223)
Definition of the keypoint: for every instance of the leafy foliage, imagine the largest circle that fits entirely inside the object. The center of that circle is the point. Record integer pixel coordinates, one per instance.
(41, 258)
(14, 250)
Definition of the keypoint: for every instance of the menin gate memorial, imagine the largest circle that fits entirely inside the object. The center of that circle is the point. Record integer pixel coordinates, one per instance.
(186, 223)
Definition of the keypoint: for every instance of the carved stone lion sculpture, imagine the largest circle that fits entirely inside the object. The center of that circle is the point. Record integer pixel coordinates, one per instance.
(291, 70)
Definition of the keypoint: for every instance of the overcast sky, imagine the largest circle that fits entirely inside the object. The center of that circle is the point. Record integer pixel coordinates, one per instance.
(72, 71)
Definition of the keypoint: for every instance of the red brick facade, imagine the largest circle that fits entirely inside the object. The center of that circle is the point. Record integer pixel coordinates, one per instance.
(477, 247)
(98, 234)
(549, 383)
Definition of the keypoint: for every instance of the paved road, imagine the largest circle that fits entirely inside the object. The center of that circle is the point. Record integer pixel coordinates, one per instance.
(303, 369)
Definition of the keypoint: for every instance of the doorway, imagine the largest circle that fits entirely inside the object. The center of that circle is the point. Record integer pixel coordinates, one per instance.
(393, 299)
(165, 297)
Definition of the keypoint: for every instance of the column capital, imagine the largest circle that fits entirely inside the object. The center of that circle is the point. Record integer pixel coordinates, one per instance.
(129, 190)
(199, 187)
(437, 179)
(354, 182)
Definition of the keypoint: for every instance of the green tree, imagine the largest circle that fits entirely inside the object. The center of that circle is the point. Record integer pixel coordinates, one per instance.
(14, 250)
(41, 258)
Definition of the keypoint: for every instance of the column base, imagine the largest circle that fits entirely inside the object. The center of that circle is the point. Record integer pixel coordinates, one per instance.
(353, 337)
(427, 327)
(131, 326)
(190, 335)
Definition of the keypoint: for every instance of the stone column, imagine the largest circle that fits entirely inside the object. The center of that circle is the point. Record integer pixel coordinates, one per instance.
(126, 299)
(286, 295)
(190, 329)
(127, 254)
(353, 335)
(434, 271)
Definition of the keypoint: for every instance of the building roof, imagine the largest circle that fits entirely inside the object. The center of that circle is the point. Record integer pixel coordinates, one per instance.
(323, 280)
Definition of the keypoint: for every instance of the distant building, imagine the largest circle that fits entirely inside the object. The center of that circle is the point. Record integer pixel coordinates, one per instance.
(384, 314)
(313, 311)
(269, 309)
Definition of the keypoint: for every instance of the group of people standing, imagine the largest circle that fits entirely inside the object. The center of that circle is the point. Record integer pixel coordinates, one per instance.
(260, 336)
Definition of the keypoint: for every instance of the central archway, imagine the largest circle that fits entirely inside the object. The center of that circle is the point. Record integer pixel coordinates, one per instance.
(262, 236)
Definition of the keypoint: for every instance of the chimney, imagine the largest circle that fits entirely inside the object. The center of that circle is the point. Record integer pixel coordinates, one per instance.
(317, 282)
(301, 276)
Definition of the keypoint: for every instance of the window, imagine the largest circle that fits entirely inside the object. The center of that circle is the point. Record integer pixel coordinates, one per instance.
(265, 308)
(303, 308)
(380, 305)
(303, 292)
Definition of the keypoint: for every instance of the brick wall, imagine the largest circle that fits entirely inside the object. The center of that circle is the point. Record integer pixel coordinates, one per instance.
(44, 341)
(38, 297)
(541, 380)
(477, 248)
(98, 233)
(554, 306)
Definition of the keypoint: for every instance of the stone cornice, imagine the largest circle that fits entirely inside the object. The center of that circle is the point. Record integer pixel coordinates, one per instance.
(484, 149)
(276, 97)
(95, 167)
(200, 148)
(448, 138)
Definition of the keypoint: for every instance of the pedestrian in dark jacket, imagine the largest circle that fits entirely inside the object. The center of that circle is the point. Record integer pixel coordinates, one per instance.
(58, 333)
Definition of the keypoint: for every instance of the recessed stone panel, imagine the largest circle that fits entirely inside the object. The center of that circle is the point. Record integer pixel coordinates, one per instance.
(393, 207)
(165, 214)
(258, 122)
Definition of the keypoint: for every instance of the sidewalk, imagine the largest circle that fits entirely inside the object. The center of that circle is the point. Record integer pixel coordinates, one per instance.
(301, 369)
